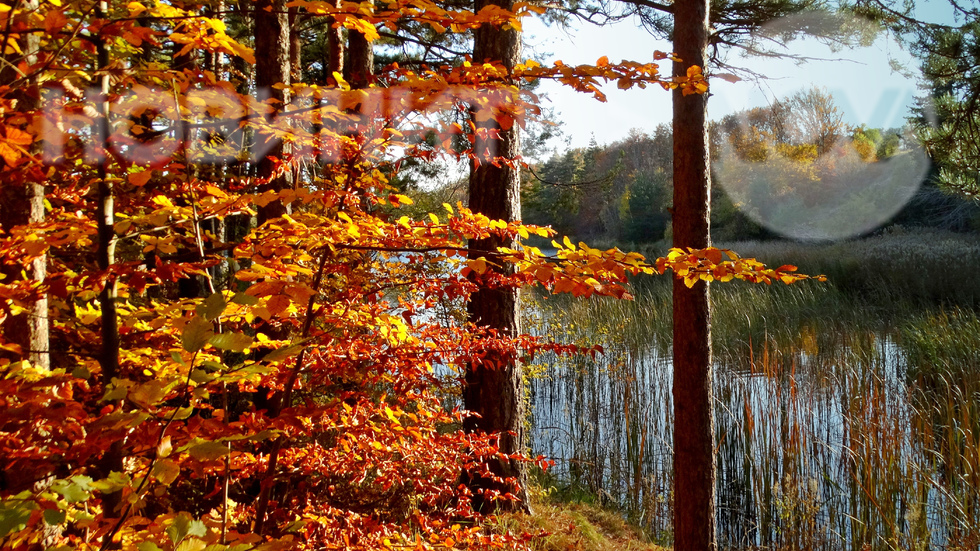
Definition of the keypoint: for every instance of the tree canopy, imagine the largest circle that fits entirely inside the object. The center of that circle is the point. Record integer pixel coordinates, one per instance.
(946, 118)
(252, 344)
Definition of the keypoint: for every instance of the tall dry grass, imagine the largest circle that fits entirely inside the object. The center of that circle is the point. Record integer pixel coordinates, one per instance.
(847, 413)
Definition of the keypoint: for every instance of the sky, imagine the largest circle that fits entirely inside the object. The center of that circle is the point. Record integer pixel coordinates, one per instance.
(860, 79)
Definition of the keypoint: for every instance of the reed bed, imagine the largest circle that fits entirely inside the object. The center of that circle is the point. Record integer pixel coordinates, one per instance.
(898, 267)
(840, 423)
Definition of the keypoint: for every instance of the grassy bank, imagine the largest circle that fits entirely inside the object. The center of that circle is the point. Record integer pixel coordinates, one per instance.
(562, 524)
(897, 268)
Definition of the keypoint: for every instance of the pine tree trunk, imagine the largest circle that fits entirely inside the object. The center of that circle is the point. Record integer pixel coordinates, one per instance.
(496, 392)
(22, 203)
(295, 46)
(694, 459)
(335, 45)
(272, 66)
(359, 69)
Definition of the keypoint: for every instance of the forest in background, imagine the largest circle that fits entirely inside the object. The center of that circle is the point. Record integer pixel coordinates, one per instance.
(621, 193)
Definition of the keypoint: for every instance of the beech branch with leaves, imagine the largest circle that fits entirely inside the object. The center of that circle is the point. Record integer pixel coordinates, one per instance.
(278, 386)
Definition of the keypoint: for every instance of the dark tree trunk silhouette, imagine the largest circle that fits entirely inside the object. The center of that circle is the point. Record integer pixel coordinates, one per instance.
(494, 390)
(694, 459)
(272, 66)
(112, 460)
(359, 68)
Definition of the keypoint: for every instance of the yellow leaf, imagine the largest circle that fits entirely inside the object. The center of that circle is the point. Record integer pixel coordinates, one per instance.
(135, 8)
(18, 137)
(479, 265)
(9, 154)
(391, 415)
(11, 46)
(215, 191)
(166, 471)
(341, 83)
(364, 27)
(247, 54)
(163, 201)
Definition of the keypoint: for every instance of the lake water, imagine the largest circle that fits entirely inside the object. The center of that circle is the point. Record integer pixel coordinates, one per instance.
(824, 440)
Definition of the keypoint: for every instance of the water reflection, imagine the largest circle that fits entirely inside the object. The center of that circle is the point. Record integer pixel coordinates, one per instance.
(824, 442)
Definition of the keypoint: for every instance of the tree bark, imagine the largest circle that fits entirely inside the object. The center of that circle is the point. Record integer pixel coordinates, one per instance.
(694, 459)
(295, 45)
(359, 69)
(112, 460)
(359, 73)
(496, 391)
(272, 66)
(335, 45)
(22, 203)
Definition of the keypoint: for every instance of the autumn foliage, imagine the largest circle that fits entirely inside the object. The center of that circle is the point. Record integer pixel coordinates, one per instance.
(287, 385)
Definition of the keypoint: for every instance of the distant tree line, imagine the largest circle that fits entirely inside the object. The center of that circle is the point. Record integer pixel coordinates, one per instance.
(621, 192)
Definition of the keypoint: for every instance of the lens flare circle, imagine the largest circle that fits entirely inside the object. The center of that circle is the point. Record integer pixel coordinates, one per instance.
(797, 168)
